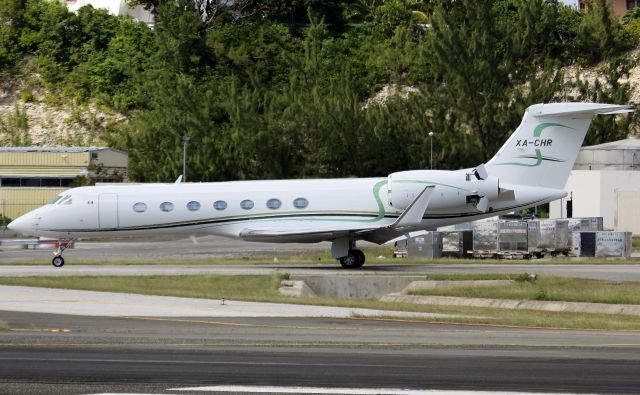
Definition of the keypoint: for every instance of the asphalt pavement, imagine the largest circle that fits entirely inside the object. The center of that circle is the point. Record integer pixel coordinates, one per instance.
(76, 354)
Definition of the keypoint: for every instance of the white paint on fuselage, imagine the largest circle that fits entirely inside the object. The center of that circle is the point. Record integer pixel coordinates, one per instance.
(344, 203)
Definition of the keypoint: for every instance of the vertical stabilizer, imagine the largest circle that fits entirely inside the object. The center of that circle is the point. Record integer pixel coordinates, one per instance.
(542, 150)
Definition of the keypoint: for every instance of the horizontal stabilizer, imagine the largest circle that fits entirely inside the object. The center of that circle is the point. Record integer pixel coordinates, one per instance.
(575, 109)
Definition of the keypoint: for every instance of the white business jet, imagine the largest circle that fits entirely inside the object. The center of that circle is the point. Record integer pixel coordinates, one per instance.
(530, 169)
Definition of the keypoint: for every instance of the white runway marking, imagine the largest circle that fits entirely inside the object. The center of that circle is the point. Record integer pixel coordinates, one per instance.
(337, 391)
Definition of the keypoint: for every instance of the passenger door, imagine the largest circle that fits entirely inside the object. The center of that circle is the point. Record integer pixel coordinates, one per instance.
(108, 211)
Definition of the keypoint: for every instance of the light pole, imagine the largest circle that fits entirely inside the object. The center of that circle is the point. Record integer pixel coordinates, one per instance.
(431, 156)
(185, 141)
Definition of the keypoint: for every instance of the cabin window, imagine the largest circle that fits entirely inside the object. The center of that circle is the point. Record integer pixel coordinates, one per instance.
(140, 207)
(193, 206)
(300, 203)
(166, 206)
(220, 205)
(246, 204)
(274, 204)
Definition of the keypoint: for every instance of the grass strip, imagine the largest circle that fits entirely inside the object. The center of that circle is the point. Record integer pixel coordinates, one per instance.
(264, 289)
(321, 259)
(549, 288)
(3, 326)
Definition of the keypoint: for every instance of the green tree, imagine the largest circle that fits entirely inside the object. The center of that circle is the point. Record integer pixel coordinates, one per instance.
(613, 87)
(488, 72)
(600, 35)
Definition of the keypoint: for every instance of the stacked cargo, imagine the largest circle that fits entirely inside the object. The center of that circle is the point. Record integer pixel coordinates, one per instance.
(500, 239)
(548, 236)
(522, 239)
(602, 244)
(457, 244)
(428, 245)
(587, 224)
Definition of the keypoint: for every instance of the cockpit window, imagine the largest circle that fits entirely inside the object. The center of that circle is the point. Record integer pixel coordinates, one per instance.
(65, 200)
(55, 199)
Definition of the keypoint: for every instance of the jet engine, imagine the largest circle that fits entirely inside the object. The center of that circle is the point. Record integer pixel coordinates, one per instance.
(453, 189)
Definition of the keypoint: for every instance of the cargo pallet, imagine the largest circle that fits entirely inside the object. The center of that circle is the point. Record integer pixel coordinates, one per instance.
(501, 255)
(554, 253)
(400, 254)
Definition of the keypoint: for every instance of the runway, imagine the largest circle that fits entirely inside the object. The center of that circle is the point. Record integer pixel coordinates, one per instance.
(139, 344)
(99, 354)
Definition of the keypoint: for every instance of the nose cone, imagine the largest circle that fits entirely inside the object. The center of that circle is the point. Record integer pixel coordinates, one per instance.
(24, 225)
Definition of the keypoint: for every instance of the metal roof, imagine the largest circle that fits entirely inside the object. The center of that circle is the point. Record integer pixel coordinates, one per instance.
(631, 143)
(59, 149)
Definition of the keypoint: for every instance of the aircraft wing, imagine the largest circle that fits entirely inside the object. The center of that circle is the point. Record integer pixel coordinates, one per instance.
(411, 217)
(298, 235)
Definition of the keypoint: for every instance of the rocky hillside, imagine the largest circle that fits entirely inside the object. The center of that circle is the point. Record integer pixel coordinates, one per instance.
(39, 118)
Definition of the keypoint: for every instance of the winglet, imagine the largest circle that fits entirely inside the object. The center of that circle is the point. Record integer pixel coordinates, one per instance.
(179, 180)
(412, 216)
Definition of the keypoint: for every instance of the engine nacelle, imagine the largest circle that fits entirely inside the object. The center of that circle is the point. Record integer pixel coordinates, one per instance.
(453, 188)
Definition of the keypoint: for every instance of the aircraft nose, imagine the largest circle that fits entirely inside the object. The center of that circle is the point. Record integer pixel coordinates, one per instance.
(24, 224)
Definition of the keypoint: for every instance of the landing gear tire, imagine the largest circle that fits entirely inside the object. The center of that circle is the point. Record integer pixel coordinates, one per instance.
(353, 260)
(57, 261)
(360, 256)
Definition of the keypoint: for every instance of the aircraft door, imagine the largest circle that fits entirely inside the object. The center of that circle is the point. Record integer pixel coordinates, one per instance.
(108, 210)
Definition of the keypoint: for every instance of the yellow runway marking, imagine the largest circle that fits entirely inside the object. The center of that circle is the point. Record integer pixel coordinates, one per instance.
(221, 323)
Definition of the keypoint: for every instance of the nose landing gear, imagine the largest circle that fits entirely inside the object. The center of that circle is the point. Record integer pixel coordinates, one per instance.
(58, 248)
(57, 261)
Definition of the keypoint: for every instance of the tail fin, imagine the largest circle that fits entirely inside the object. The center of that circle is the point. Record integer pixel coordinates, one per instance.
(542, 150)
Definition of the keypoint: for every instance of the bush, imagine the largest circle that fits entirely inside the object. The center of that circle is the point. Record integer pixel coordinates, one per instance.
(542, 295)
(27, 96)
(633, 29)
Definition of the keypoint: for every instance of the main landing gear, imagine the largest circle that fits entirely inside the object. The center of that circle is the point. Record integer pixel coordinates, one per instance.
(353, 260)
(344, 249)
(58, 248)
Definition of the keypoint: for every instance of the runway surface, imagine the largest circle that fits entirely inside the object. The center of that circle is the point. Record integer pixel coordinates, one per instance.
(156, 345)
(76, 354)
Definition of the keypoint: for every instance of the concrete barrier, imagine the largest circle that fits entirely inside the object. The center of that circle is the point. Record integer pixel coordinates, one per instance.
(355, 286)
(295, 288)
(575, 307)
(416, 285)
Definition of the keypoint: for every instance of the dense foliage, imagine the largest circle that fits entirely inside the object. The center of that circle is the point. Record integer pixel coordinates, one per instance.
(287, 88)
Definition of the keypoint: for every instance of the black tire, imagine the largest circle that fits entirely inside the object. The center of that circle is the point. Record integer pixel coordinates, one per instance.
(350, 261)
(57, 261)
(361, 258)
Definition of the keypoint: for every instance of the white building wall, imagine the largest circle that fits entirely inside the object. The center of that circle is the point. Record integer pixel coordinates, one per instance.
(581, 183)
(595, 194)
(627, 219)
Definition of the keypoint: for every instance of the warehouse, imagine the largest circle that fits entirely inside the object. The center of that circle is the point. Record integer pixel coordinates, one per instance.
(31, 176)
(604, 182)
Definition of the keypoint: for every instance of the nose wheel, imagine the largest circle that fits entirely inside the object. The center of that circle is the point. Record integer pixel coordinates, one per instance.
(59, 247)
(57, 261)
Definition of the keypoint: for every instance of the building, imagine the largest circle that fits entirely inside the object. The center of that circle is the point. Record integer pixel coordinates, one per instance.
(618, 7)
(31, 176)
(114, 7)
(604, 182)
